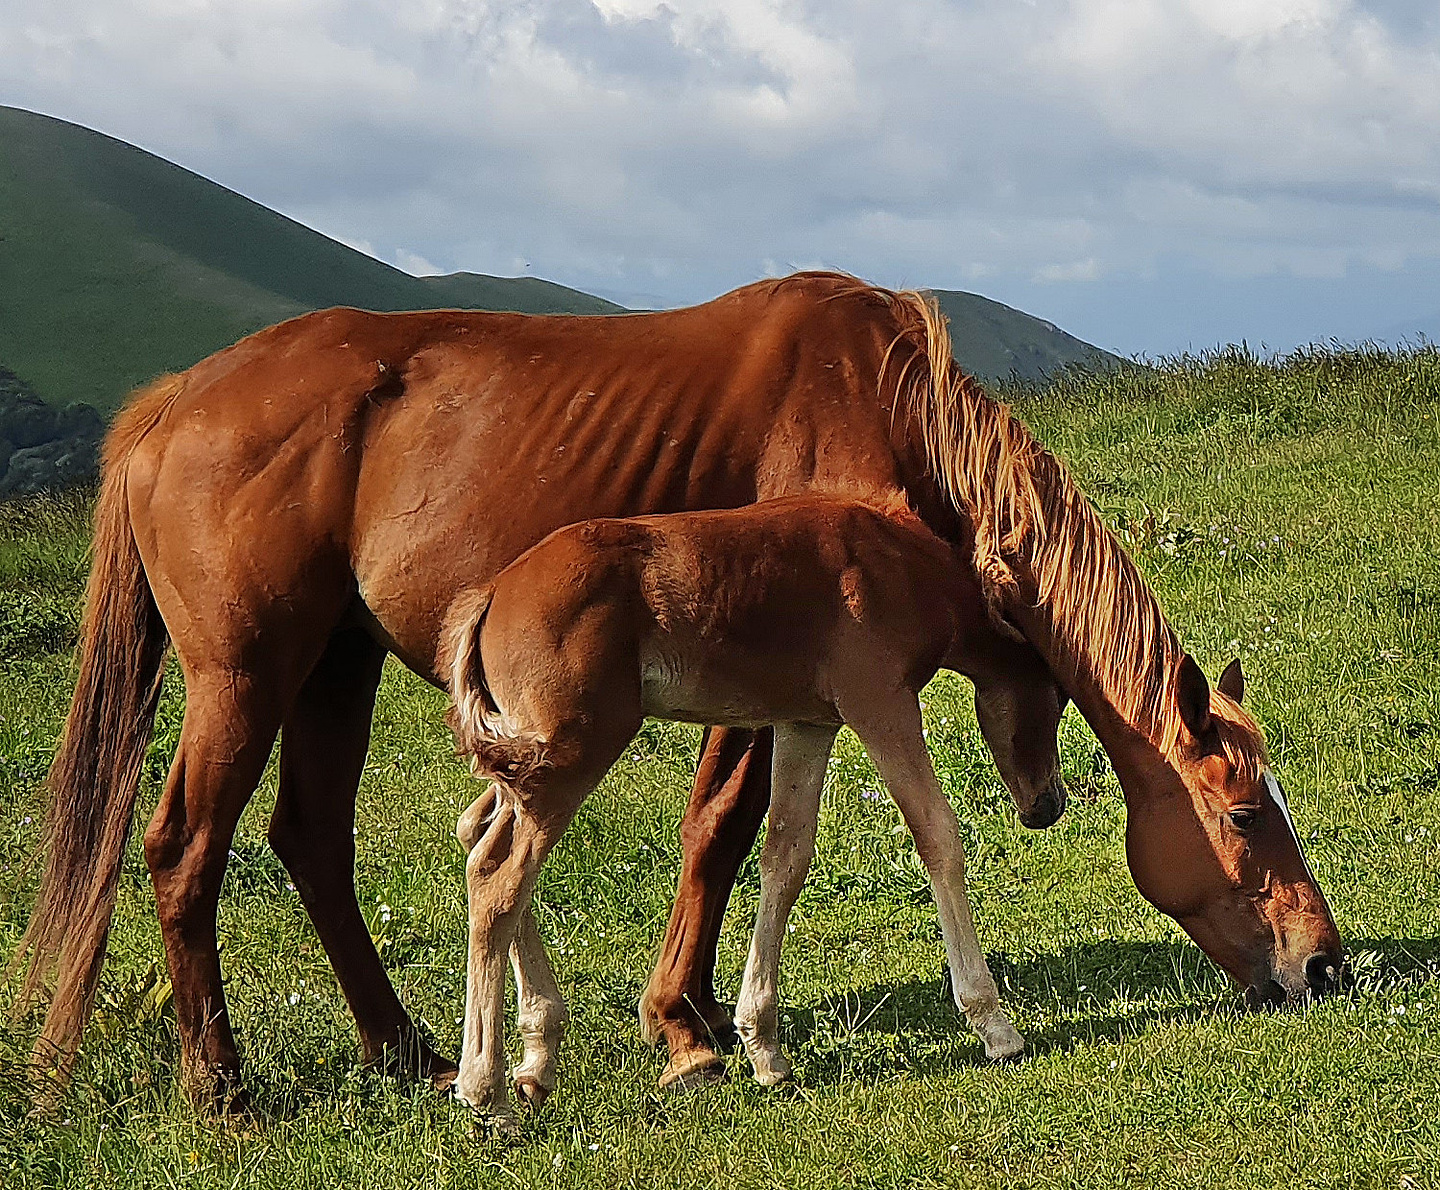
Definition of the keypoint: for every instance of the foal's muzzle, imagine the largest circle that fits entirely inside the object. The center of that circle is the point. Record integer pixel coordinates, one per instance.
(1322, 973)
(1047, 807)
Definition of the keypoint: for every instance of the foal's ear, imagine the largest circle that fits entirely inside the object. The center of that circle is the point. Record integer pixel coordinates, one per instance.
(1192, 696)
(1232, 682)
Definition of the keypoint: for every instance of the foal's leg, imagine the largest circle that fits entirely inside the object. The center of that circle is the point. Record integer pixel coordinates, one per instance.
(798, 777)
(230, 723)
(891, 732)
(543, 1014)
(727, 805)
(322, 754)
(500, 874)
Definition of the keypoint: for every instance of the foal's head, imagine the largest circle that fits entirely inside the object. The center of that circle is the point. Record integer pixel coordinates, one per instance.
(1213, 845)
(1019, 716)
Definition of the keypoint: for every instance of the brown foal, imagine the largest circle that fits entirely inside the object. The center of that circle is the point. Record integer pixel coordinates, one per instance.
(804, 613)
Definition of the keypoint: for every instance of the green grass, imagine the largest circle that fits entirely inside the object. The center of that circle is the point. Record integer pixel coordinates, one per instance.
(1285, 513)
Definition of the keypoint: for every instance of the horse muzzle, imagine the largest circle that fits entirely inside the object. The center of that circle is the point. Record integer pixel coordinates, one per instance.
(1320, 975)
(1046, 808)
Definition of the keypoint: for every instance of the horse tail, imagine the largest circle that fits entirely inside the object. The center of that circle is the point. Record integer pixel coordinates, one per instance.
(95, 775)
(482, 730)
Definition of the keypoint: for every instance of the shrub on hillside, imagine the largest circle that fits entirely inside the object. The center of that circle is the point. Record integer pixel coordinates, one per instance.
(42, 448)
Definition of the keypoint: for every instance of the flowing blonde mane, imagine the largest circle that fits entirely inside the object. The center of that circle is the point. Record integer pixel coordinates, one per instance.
(1037, 537)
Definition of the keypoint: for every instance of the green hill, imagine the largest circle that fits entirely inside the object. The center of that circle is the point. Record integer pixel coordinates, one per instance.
(116, 265)
(997, 342)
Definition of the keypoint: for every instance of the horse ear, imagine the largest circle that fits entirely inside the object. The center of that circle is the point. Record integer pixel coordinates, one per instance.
(1192, 695)
(1232, 682)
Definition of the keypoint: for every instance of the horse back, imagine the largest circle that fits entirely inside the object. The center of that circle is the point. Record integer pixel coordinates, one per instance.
(381, 463)
(748, 616)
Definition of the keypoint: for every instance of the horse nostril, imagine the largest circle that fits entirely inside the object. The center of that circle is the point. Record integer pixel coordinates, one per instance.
(1322, 973)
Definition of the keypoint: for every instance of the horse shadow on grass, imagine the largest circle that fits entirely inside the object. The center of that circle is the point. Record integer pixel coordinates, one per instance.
(1099, 992)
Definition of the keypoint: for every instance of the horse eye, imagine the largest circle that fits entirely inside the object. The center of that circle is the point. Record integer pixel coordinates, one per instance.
(1243, 818)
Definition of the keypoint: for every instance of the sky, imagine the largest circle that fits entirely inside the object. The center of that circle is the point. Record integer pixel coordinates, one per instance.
(1155, 176)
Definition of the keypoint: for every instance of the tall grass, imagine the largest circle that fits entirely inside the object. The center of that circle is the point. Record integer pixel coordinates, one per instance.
(1286, 512)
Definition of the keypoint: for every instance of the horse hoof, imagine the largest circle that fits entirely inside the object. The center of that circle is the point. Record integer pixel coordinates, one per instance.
(502, 1125)
(1006, 1054)
(443, 1080)
(531, 1092)
(217, 1091)
(696, 1075)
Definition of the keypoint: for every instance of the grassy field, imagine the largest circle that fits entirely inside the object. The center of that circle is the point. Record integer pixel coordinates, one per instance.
(1286, 513)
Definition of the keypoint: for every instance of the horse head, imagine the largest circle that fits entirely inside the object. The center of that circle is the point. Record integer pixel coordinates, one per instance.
(1211, 843)
(1019, 715)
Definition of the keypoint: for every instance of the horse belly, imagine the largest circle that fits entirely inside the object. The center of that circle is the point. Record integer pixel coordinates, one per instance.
(677, 688)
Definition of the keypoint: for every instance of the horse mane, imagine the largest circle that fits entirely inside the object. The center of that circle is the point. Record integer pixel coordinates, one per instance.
(1037, 536)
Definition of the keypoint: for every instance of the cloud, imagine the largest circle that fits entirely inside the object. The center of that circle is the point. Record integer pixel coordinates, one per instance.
(415, 264)
(1037, 150)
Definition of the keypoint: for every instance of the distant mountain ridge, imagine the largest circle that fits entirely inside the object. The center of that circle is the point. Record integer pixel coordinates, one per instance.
(116, 265)
(996, 342)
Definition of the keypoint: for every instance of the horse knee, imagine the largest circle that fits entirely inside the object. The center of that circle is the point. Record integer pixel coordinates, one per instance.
(163, 845)
(288, 838)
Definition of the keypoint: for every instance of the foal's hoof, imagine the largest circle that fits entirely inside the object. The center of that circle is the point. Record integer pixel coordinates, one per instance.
(496, 1119)
(532, 1093)
(693, 1072)
(1004, 1045)
(503, 1124)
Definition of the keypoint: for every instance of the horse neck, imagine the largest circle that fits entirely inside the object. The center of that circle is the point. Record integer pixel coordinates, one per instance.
(1080, 600)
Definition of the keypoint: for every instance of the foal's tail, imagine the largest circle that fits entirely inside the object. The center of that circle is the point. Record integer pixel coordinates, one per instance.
(481, 727)
(96, 772)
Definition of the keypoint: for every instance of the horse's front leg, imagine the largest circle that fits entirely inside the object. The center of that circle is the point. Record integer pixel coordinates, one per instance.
(892, 736)
(797, 777)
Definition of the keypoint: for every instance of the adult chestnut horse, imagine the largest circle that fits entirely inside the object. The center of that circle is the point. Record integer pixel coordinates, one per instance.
(291, 508)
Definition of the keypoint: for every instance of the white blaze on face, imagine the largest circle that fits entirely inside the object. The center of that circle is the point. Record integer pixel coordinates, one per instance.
(1278, 795)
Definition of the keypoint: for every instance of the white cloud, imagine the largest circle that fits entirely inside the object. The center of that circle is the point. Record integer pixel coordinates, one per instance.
(674, 148)
(415, 264)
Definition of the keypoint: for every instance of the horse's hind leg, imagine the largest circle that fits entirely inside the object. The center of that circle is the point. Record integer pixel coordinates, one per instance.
(542, 1011)
(542, 1014)
(891, 732)
(500, 874)
(322, 754)
(798, 777)
(727, 805)
(230, 725)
